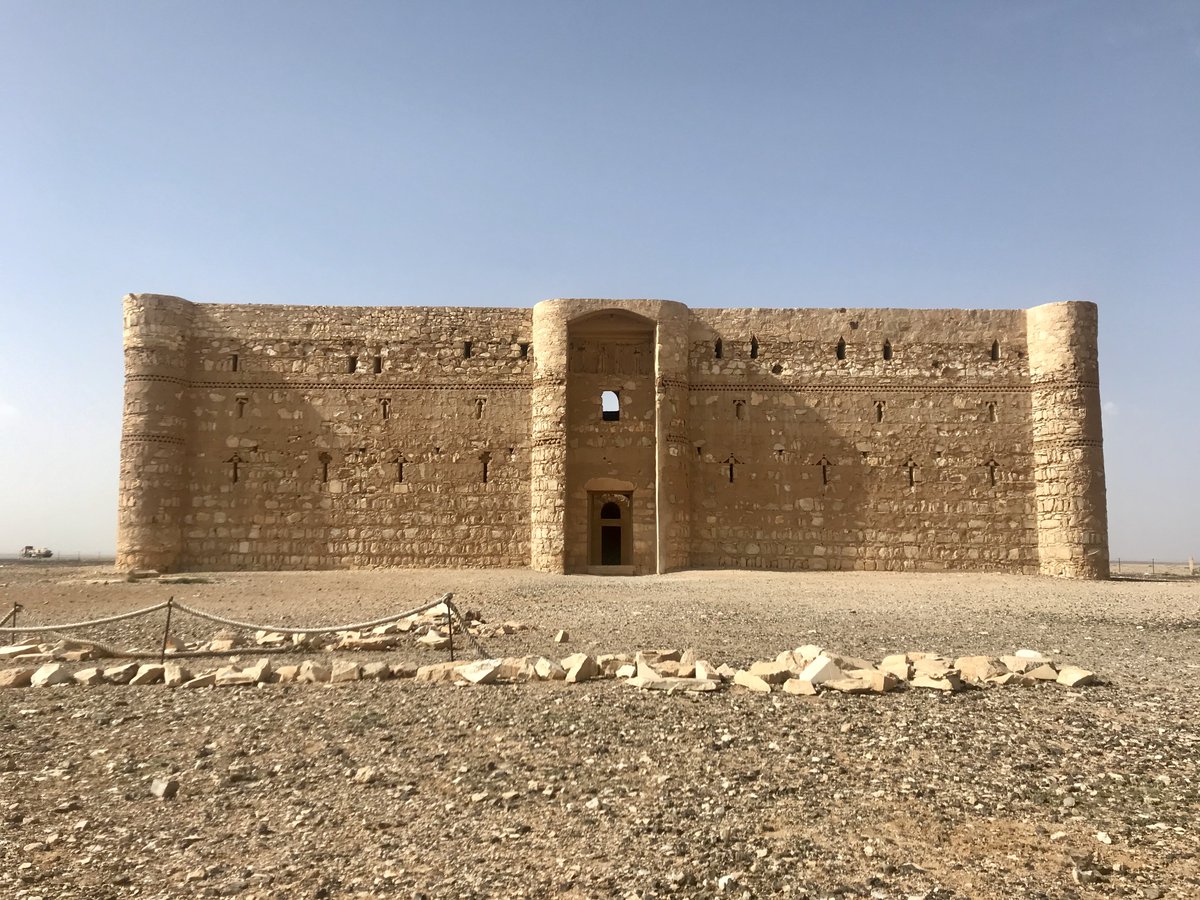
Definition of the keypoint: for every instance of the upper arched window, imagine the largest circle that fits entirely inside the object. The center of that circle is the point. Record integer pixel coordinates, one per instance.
(995, 351)
(610, 406)
(841, 348)
(754, 348)
(718, 349)
(610, 510)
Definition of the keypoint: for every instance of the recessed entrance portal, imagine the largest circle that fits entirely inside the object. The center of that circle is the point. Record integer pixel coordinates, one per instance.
(610, 541)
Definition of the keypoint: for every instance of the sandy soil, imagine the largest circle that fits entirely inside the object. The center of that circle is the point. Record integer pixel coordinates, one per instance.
(599, 790)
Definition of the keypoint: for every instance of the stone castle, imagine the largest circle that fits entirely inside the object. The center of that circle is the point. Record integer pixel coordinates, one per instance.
(611, 437)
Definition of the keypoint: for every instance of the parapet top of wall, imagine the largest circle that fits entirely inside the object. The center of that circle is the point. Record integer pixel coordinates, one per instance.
(1062, 340)
(861, 324)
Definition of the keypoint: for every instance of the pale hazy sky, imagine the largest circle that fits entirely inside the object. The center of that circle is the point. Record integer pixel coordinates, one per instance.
(999, 154)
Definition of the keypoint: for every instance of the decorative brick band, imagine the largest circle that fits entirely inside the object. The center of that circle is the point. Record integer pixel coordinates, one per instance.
(1065, 443)
(373, 386)
(141, 437)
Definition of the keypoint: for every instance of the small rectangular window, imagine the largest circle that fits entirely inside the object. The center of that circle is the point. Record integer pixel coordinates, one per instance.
(466, 349)
(351, 364)
(233, 362)
(524, 348)
(378, 364)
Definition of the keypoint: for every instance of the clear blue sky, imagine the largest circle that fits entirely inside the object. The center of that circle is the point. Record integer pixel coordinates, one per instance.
(999, 154)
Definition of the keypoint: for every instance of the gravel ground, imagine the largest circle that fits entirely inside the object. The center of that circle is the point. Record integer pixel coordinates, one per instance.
(399, 789)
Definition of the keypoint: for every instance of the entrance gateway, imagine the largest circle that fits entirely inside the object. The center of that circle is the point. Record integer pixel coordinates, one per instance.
(610, 533)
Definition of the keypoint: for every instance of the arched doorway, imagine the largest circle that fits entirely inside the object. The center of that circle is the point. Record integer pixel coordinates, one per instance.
(610, 538)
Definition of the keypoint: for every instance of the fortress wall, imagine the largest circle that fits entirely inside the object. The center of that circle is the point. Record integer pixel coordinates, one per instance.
(321, 437)
(337, 468)
(819, 483)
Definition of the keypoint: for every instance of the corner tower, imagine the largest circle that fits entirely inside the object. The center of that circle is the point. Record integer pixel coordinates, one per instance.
(1072, 517)
(153, 432)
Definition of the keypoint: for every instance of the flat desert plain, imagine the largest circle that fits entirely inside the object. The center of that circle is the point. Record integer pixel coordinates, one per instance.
(402, 789)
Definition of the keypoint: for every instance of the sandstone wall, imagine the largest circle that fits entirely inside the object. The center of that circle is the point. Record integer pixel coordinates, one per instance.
(315, 437)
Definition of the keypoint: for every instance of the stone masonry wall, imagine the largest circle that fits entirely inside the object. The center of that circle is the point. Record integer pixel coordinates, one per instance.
(260, 437)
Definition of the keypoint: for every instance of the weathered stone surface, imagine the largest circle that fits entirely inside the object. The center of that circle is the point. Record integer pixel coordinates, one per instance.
(16, 650)
(877, 681)
(434, 640)
(263, 671)
(313, 672)
(232, 676)
(51, 674)
(164, 788)
(821, 669)
(704, 669)
(978, 668)
(121, 674)
(90, 676)
(343, 671)
(403, 670)
(549, 670)
(18, 677)
(288, 674)
(847, 685)
(799, 686)
(481, 671)
(208, 679)
(151, 673)
(750, 682)
(897, 665)
(175, 674)
(376, 671)
(562, 637)
(1043, 672)
(673, 685)
(947, 681)
(580, 667)
(438, 673)
(771, 672)
(1074, 676)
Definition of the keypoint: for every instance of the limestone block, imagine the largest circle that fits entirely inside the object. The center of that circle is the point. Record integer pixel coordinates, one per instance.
(147, 674)
(343, 671)
(820, 670)
(580, 667)
(50, 675)
(549, 670)
(799, 686)
(753, 683)
(374, 671)
(175, 674)
(481, 671)
(208, 679)
(1074, 676)
(979, 668)
(948, 681)
(772, 672)
(438, 673)
(312, 672)
(897, 664)
(90, 676)
(21, 677)
(1043, 672)
(121, 674)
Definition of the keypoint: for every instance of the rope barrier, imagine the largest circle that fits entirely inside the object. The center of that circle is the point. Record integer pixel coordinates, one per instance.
(483, 654)
(312, 629)
(232, 623)
(90, 623)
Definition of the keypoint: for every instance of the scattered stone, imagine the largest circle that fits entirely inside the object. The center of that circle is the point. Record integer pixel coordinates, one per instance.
(1044, 672)
(15, 650)
(232, 676)
(949, 682)
(121, 674)
(312, 672)
(434, 640)
(482, 671)
(771, 672)
(14, 678)
(89, 677)
(51, 674)
(208, 679)
(562, 637)
(365, 775)
(164, 788)
(847, 685)
(820, 670)
(344, 671)
(979, 668)
(1073, 676)
(375, 671)
(799, 686)
(150, 673)
(262, 671)
(549, 670)
(580, 667)
(174, 674)
(438, 673)
(897, 665)
(751, 682)
(403, 670)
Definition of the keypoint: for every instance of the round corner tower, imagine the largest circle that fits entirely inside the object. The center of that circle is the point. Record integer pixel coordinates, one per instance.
(1072, 518)
(153, 432)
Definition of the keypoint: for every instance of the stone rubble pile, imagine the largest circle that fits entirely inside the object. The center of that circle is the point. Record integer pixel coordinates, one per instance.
(428, 630)
(806, 670)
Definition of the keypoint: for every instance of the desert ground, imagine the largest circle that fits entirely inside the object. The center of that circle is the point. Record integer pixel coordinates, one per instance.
(603, 790)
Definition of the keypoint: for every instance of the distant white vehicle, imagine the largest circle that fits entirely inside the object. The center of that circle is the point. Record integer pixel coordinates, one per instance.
(31, 552)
